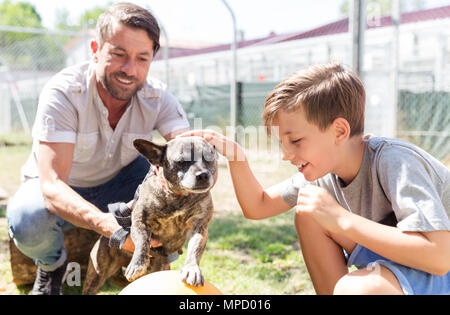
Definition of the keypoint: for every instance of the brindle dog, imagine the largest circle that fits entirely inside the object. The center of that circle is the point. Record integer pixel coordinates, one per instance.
(174, 204)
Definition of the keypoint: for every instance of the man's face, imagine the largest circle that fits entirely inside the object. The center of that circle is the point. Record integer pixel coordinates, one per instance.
(123, 61)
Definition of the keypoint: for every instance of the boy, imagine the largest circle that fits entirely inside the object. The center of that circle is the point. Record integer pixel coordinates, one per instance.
(379, 204)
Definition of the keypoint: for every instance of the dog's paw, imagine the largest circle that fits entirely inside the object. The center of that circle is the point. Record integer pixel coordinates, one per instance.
(135, 271)
(192, 275)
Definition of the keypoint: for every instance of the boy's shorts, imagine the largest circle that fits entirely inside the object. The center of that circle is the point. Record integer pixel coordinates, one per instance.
(411, 280)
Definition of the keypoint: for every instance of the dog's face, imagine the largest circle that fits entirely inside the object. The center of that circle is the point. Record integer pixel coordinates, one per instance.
(189, 163)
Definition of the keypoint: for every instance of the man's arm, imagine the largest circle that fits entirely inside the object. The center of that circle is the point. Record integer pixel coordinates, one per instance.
(54, 163)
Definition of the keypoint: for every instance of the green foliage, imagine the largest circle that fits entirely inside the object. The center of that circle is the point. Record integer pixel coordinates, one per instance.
(89, 17)
(20, 14)
(86, 20)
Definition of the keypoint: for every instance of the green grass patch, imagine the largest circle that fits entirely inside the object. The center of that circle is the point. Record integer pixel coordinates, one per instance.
(242, 256)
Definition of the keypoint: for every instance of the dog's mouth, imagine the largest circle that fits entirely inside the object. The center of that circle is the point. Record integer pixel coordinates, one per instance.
(200, 183)
(198, 189)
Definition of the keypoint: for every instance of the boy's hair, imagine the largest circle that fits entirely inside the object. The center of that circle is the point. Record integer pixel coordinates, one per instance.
(130, 15)
(324, 92)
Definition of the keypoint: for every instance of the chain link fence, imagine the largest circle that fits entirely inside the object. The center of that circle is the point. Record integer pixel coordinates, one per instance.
(28, 58)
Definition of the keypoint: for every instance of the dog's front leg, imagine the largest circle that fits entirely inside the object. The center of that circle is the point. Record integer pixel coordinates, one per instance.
(191, 273)
(140, 235)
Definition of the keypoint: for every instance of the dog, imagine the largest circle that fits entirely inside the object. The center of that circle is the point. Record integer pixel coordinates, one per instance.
(174, 204)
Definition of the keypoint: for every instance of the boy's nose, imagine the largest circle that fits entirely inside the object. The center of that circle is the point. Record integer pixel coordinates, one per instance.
(286, 156)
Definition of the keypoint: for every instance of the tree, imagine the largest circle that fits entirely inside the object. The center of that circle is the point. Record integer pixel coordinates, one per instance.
(89, 17)
(24, 50)
(18, 14)
(383, 7)
(86, 20)
(62, 18)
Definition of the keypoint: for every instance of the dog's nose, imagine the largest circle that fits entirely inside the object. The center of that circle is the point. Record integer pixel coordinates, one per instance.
(201, 175)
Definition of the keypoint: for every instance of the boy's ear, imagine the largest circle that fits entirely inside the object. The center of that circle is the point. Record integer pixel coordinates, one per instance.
(342, 130)
(152, 151)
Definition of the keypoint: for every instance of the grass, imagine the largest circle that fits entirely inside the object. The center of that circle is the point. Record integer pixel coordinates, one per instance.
(242, 256)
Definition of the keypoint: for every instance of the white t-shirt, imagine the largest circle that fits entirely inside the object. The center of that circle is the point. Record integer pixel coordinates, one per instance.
(398, 184)
(71, 111)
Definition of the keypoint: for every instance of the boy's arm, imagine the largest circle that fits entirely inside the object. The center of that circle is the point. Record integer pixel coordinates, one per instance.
(256, 203)
(426, 251)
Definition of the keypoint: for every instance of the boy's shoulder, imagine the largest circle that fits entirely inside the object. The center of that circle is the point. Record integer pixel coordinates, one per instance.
(390, 154)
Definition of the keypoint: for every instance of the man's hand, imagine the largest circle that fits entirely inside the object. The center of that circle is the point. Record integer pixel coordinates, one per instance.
(318, 203)
(129, 245)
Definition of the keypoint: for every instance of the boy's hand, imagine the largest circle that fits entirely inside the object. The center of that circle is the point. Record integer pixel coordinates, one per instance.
(318, 203)
(228, 148)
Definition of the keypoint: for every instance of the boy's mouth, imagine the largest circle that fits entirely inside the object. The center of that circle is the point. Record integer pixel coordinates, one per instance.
(301, 167)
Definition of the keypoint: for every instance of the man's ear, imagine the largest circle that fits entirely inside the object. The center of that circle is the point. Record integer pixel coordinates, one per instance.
(342, 130)
(153, 152)
(94, 50)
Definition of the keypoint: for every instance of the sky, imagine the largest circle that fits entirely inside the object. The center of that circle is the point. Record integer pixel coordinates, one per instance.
(209, 21)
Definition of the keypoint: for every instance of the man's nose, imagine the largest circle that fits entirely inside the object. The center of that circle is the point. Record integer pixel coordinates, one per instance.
(129, 67)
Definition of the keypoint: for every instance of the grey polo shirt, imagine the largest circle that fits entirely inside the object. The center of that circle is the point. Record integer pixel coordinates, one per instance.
(71, 111)
(398, 184)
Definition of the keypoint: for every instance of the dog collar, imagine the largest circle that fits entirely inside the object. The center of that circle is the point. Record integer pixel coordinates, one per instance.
(162, 181)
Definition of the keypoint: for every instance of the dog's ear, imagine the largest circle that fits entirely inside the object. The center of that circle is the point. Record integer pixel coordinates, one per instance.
(152, 151)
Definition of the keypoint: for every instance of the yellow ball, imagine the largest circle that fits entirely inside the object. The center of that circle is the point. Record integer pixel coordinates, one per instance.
(167, 283)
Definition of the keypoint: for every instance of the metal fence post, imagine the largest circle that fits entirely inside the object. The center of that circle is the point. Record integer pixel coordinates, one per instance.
(233, 97)
(357, 26)
(395, 64)
(166, 48)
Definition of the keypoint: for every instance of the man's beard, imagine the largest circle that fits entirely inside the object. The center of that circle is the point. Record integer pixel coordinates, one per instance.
(115, 90)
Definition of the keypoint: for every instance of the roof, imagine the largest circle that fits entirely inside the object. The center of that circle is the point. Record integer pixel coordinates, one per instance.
(337, 27)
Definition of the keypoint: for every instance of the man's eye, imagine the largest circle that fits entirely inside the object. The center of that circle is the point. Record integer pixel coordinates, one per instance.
(117, 55)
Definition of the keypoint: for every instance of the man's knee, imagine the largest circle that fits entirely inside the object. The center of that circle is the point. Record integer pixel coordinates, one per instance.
(28, 226)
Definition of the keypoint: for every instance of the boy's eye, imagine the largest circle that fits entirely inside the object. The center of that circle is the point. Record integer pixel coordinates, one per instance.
(296, 140)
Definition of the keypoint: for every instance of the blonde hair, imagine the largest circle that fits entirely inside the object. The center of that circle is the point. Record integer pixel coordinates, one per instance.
(324, 92)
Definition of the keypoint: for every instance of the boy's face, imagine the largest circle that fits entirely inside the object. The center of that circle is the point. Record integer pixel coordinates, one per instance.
(305, 146)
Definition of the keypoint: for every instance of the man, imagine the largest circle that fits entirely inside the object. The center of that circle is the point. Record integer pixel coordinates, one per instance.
(83, 157)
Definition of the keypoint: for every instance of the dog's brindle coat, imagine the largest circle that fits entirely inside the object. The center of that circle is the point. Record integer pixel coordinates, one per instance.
(172, 207)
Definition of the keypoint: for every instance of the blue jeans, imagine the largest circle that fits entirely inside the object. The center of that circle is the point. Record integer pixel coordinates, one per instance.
(39, 234)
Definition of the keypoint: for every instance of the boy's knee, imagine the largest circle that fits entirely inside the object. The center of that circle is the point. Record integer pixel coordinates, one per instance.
(305, 222)
(369, 281)
(349, 285)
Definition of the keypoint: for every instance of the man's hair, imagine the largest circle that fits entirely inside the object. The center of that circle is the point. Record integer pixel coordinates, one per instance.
(324, 92)
(130, 15)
